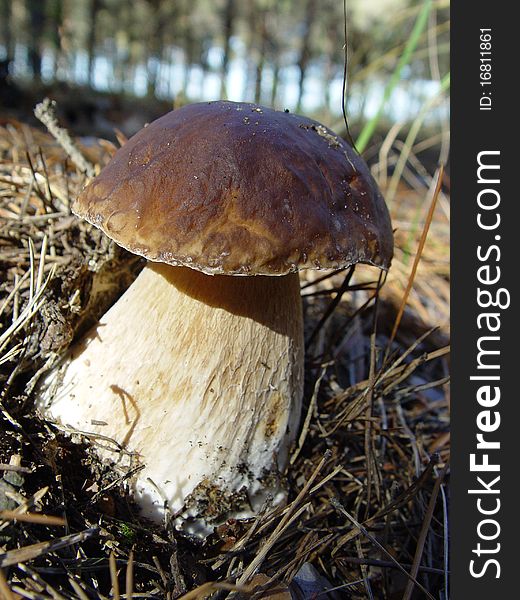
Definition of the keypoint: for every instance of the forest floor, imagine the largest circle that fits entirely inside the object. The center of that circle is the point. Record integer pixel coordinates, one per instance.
(368, 480)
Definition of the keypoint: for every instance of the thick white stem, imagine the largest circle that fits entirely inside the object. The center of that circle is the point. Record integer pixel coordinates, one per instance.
(201, 376)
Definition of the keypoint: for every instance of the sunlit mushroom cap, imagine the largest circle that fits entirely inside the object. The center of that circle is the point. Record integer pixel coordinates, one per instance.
(236, 188)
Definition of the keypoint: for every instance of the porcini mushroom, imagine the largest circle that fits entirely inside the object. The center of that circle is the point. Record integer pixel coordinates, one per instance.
(198, 368)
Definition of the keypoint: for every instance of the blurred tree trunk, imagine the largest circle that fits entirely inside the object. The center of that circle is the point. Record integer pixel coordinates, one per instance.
(328, 77)
(262, 36)
(276, 79)
(122, 57)
(154, 46)
(64, 58)
(54, 24)
(36, 10)
(95, 6)
(305, 48)
(251, 19)
(276, 40)
(189, 59)
(6, 32)
(228, 27)
(186, 41)
(333, 54)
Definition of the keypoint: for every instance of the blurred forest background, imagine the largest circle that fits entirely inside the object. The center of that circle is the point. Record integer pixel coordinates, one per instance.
(118, 62)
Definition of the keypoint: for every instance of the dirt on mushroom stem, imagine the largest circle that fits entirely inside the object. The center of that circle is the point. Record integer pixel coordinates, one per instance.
(409, 419)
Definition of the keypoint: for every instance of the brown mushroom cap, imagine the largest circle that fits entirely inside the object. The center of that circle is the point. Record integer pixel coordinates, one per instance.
(236, 188)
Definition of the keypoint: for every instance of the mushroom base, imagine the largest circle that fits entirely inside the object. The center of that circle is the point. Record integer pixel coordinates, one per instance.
(198, 378)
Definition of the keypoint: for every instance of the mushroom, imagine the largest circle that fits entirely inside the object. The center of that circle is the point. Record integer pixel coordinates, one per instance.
(197, 370)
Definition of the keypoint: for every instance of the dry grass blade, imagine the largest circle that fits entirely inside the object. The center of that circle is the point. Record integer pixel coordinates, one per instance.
(35, 579)
(12, 515)
(5, 590)
(77, 588)
(129, 576)
(206, 589)
(446, 541)
(418, 254)
(15, 468)
(21, 281)
(407, 496)
(410, 139)
(362, 529)
(310, 410)
(13, 557)
(284, 522)
(113, 576)
(36, 300)
(387, 564)
(424, 533)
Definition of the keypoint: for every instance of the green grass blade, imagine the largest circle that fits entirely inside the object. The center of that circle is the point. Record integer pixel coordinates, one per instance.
(420, 24)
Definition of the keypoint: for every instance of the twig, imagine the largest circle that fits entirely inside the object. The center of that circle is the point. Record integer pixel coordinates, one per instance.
(36, 518)
(45, 112)
(15, 468)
